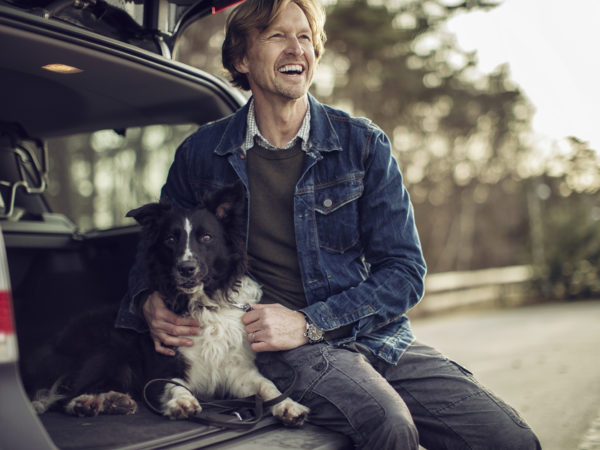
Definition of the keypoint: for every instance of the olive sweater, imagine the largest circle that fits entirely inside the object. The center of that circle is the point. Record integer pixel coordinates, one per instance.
(273, 258)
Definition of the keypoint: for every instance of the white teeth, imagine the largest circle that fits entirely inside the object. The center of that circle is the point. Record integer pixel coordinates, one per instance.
(291, 68)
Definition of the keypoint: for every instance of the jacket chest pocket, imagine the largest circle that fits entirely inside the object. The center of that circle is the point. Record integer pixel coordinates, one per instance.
(336, 211)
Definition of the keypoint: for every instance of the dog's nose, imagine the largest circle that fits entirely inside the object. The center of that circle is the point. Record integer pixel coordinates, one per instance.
(187, 269)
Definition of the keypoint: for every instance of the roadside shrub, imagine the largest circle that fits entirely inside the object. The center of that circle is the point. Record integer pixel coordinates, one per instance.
(570, 267)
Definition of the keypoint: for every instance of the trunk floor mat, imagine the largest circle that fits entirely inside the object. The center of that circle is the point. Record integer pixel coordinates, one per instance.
(144, 429)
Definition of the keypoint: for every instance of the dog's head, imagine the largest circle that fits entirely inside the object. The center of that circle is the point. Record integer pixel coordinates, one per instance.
(190, 251)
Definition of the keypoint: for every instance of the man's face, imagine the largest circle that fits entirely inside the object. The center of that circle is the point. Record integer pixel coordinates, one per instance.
(280, 60)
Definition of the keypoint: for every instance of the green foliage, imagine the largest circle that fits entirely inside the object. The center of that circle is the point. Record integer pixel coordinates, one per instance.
(571, 235)
(565, 215)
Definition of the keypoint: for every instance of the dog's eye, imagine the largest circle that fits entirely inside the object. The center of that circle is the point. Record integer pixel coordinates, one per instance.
(205, 238)
(170, 240)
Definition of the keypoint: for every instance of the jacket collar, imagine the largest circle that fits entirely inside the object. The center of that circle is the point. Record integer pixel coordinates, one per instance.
(323, 137)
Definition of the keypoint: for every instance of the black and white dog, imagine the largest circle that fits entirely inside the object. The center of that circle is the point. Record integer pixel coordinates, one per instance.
(196, 259)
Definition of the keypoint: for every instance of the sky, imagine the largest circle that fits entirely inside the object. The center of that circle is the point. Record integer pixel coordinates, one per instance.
(553, 50)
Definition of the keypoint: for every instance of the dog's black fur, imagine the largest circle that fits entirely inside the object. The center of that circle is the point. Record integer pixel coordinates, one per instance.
(93, 366)
(92, 356)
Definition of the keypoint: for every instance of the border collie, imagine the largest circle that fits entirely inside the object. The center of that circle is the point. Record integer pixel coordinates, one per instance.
(196, 260)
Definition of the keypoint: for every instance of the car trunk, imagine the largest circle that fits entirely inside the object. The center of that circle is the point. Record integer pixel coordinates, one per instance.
(56, 274)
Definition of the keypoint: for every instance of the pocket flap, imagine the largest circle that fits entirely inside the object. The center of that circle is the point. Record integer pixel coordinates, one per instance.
(333, 196)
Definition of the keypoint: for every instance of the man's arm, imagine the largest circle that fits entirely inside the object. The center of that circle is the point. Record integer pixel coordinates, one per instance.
(392, 251)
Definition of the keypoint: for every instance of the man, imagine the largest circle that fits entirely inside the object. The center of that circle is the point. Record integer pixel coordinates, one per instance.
(332, 239)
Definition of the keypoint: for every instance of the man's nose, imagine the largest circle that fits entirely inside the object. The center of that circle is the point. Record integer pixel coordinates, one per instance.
(294, 46)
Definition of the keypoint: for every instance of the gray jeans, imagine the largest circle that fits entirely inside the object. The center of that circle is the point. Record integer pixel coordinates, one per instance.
(425, 399)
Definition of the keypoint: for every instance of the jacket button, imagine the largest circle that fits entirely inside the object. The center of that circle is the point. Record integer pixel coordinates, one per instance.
(327, 203)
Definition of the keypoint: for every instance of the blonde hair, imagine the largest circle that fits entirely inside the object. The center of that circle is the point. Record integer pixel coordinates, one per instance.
(259, 15)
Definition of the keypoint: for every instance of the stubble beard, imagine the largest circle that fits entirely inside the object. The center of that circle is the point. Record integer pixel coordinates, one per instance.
(292, 91)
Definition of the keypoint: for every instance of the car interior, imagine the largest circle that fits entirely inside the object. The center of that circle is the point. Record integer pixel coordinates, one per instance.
(55, 83)
(58, 80)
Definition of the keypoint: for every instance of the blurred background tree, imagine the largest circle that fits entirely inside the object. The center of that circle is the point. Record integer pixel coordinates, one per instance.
(486, 194)
(456, 133)
(564, 211)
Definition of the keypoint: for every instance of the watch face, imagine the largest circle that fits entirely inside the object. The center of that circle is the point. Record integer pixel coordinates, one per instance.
(314, 334)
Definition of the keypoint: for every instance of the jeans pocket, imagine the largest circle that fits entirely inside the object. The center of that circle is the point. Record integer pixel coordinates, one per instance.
(509, 410)
(462, 368)
(303, 366)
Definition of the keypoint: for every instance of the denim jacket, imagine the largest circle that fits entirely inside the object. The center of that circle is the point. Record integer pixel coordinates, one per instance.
(359, 252)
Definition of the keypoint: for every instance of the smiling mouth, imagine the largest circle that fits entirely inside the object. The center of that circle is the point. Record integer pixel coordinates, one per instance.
(291, 69)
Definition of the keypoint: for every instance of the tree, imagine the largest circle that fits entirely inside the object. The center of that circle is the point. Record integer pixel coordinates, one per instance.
(565, 211)
(457, 133)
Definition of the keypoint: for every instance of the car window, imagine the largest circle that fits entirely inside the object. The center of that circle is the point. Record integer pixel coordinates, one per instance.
(95, 178)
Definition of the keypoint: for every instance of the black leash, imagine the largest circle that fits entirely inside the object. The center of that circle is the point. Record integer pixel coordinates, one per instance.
(236, 413)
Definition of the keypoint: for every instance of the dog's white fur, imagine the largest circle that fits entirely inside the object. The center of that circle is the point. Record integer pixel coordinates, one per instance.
(221, 359)
(44, 398)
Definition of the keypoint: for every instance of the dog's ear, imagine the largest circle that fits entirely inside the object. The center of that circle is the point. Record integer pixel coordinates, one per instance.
(228, 205)
(227, 202)
(148, 214)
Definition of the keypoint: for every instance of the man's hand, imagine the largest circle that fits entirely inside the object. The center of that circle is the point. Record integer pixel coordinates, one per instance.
(274, 327)
(166, 327)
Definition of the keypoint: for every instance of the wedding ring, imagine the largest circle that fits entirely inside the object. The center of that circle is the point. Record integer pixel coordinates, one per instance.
(252, 336)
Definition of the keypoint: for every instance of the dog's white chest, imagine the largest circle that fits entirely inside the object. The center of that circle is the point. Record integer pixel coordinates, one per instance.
(219, 352)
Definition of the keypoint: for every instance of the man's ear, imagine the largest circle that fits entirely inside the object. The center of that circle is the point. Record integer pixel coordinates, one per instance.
(241, 65)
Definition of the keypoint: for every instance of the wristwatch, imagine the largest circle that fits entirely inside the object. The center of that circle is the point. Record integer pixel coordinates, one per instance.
(313, 333)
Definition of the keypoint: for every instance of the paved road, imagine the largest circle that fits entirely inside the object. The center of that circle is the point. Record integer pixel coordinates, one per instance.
(544, 360)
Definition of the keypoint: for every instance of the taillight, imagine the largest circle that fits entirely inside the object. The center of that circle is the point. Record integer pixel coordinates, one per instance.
(8, 339)
(222, 5)
(6, 324)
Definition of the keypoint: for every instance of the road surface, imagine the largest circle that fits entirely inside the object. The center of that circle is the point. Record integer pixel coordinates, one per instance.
(544, 360)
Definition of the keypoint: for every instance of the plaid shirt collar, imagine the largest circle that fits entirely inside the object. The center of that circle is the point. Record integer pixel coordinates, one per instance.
(253, 133)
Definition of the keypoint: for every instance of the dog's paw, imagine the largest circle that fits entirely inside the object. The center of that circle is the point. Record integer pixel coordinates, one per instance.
(118, 403)
(290, 413)
(85, 405)
(39, 407)
(182, 406)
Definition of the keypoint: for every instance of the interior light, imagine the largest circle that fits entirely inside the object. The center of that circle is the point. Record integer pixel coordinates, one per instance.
(62, 68)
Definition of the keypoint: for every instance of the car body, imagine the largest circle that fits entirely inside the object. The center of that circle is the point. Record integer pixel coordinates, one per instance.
(114, 73)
